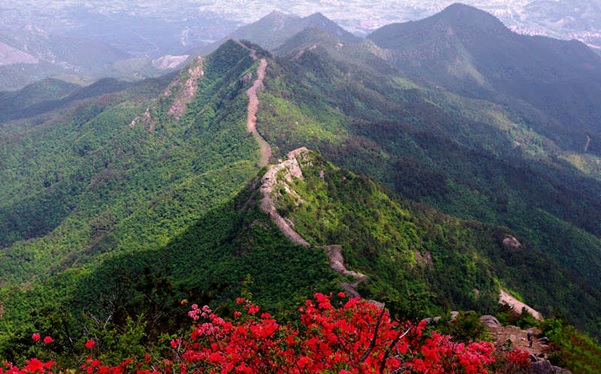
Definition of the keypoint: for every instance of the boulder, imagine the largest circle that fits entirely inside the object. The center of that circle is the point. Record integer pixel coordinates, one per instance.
(490, 321)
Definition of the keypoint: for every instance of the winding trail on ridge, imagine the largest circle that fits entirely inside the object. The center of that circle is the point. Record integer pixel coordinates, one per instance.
(253, 107)
(289, 169)
(292, 166)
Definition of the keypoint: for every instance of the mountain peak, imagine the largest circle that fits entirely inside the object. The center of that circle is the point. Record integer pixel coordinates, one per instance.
(463, 15)
(460, 7)
(455, 21)
(277, 15)
(318, 16)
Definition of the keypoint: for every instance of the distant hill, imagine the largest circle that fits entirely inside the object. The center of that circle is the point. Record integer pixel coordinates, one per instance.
(51, 94)
(470, 52)
(271, 31)
(31, 54)
(36, 55)
(45, 90)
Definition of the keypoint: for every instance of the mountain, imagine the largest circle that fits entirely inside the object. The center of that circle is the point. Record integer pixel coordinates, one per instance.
(348, 232)
(121, 202)
(35, 93)
(579, 19)
(469, 157)
(470, 52)
(50, 94)
(275, 28)
(95, 153)
(33, 54)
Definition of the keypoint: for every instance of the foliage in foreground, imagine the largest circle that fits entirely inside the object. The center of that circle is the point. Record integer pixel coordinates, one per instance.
(354, 337)
(572, 349)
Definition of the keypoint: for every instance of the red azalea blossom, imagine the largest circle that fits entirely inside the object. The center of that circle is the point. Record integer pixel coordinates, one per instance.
(48, 340)
(35, 337)
(175, 343)
(356, 337)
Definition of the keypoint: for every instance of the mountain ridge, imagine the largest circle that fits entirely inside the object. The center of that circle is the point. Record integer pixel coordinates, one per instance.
(471, 53)
(422, 198)
(272, 30)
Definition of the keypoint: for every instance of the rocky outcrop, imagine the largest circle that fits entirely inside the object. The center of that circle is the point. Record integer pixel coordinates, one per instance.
(337, 262)
(490, 321)
(184, 89)
(278, 179)
(169, 61)
(145, 120)
(512, 242)
(290, 167)
(518, 306)
(545, 367)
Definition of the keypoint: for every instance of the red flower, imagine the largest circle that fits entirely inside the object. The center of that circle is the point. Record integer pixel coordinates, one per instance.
(175, 343)
(35, 337)
(354, 338)
(34, 365)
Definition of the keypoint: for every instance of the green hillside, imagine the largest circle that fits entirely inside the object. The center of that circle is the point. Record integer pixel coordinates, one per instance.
(470, 158)
(417, 260)
(119, 172)
(122, 202)
(470, 52)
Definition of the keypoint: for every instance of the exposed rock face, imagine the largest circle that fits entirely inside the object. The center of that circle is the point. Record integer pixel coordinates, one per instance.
(490, 321)
(169, 61)
(337, 262)
(279, 177)
(268, 184)
(517, 305)
(512, 242)
(545, 367)
(424, 259)
(185, 89)
(146, 120)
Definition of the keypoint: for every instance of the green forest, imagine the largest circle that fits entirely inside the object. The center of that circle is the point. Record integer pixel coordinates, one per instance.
(120, 203)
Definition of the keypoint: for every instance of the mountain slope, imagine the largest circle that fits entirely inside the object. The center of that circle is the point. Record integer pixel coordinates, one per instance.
(417, 260)
(472, 53)
(121, 205)
(470, 158)
(413, 256)
(31, 54)
(121, 171)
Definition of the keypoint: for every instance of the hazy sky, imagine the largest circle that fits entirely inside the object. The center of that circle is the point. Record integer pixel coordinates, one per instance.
(559, 18)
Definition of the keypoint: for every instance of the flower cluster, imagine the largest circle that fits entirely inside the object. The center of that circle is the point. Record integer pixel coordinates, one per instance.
(355, 337)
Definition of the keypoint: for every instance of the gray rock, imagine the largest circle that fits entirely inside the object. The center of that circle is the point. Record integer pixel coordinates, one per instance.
(545, 367)
(541, 367)
(490, 321)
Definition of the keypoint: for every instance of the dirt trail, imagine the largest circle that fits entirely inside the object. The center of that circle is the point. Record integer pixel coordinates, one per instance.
(291, 167)
(253, 107)
(519, 338)
(268, 185)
